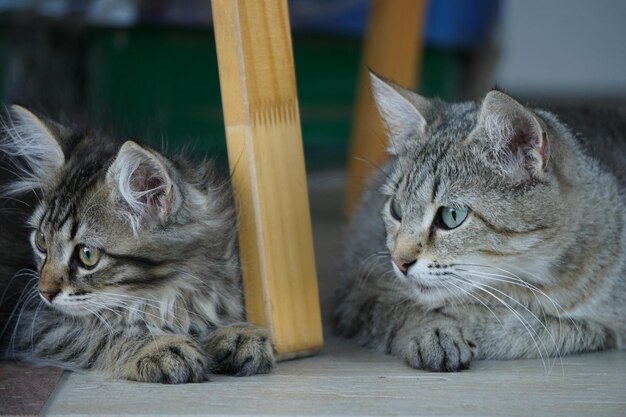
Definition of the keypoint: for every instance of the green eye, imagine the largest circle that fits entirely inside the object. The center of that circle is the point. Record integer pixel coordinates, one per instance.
(395, 209)
(451, 218)
(88, 256)
(40, 242)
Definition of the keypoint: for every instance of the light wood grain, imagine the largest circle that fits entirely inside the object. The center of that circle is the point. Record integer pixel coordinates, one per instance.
(348, 381)
(262, 120)
(393, 49)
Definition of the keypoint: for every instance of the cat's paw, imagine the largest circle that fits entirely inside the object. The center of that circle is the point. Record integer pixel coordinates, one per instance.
(438, 347)
(241, 351)
(170, 360)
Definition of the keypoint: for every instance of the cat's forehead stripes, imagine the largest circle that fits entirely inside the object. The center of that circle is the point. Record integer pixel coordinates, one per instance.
(68, 196)
(422, 181)
(440, 160)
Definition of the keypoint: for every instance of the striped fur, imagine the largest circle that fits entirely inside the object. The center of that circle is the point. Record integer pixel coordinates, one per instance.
(163, 303)
(538, 268)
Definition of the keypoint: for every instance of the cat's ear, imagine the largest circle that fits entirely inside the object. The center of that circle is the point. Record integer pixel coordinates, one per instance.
(143, 181)
(34, 142)
(515, 135)
(404, 113)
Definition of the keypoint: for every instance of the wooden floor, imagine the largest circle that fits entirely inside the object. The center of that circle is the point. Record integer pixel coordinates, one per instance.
(349, 381)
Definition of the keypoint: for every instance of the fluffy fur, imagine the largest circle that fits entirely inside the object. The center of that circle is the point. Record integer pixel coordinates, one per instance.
(136, 270)
(538, 266)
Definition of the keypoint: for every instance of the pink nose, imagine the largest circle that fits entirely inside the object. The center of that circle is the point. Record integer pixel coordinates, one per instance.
(404, 264)
(49, 293)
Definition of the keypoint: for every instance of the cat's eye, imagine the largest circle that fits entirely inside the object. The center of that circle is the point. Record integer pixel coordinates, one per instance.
(450, 217)
(40, 242)
(88, 256)
(395, 209)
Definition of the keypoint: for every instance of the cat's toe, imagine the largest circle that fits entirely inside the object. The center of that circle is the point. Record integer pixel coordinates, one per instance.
(241, 351)
(171, 362)
(440, 350)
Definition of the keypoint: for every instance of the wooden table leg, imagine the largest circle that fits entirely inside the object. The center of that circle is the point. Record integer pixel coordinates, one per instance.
(393, 49)
(265, 152)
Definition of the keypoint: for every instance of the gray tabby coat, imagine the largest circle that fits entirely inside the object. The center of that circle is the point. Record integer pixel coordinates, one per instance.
(136, 270)
(537, 267)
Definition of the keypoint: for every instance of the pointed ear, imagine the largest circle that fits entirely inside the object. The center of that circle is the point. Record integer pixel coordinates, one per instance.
(34, 142)
(516, 136)
(142, 181)
(404, 113)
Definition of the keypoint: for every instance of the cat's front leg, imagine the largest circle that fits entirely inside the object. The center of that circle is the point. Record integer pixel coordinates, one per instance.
(167, 360)
(241, 351)
(503, 333)
(434, 343)
(421, 338)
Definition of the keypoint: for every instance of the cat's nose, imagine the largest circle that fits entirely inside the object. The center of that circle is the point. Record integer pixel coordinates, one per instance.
(49, 293)
(50, 280)
(404, 264)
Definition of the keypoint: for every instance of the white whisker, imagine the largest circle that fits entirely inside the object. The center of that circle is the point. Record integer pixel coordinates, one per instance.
(532, 332)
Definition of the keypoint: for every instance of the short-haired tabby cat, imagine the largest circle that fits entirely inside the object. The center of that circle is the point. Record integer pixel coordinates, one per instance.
(136, 269)
(493, 232)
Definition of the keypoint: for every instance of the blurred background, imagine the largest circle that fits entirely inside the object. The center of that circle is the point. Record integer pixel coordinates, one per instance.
(149, 67)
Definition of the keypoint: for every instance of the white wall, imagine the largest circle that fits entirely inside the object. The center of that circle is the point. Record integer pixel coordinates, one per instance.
(563, 48)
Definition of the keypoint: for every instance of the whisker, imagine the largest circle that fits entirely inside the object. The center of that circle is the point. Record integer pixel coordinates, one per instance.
(14, 335)
(533, 334)
(20, 302)
(32, 326)
(101, 319)
(555, 305)
(477, 299)
(556, 345)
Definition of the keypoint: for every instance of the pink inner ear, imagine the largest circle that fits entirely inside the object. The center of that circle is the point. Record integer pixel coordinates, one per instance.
(521, 141)
(148, 185)
(528, 141)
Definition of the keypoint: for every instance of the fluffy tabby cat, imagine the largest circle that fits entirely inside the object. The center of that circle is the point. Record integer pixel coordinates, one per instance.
(493, 232)
(136, 270)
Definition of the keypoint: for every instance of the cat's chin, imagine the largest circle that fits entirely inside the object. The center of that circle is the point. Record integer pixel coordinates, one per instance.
(76, 311)
(429, 295)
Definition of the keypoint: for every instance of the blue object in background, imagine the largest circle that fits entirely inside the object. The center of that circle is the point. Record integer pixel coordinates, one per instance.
(460, 24)
(345, 17)
(455, 24)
